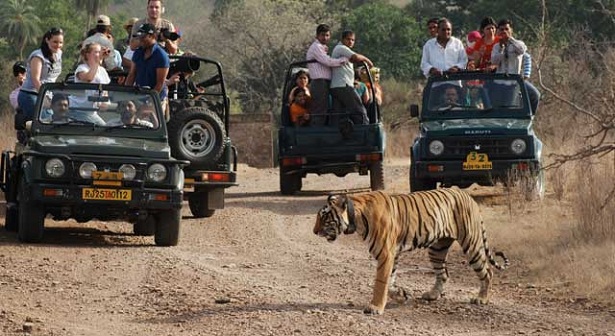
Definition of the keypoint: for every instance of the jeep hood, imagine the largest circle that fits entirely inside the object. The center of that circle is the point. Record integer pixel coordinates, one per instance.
(478, 126)
(101, 145)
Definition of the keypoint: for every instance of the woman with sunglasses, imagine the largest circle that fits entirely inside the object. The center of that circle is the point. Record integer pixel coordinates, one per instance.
(44, 65)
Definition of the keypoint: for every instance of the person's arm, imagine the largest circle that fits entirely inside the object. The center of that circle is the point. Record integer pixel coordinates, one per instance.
(161, 77)
(496, 54)
(426, 66)
(518, 47)
(321, 56)
(36, 66)
(87, 76)
(356, 58)
(130, 79)
(462, 57)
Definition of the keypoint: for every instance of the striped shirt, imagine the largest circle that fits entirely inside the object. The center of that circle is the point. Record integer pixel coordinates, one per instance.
(322, 68)
(526, 66)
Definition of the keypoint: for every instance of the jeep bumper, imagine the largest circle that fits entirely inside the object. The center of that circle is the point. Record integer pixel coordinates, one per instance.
(453, 172)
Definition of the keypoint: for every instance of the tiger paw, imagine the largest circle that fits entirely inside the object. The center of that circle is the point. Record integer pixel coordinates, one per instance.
(432, 295)
(479, 300)
(372, 310)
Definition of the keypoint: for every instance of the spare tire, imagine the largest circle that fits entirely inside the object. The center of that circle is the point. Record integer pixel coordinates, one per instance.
(196, 134)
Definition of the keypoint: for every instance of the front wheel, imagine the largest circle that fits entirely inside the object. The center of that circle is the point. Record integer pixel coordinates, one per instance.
(31, 216)
(167, 227)
(417, 184)
(376, 176)
(145, 227)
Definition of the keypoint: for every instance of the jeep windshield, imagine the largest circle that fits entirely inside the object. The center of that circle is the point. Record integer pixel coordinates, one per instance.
(101, 106)
(475, 95)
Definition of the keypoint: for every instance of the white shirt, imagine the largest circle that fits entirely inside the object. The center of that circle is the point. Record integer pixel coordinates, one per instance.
(443, 58)
(322, 68)
(101, 76)
(344, 75)
(510, 58)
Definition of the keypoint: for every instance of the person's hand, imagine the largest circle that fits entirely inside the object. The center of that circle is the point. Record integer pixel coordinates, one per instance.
(173, 80)
(435, 72)
(454, 69)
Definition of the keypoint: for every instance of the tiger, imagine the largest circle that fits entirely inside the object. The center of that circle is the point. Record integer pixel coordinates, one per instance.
(395, 223)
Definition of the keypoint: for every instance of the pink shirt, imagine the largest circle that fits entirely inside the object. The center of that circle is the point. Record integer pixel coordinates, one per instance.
(322, 68)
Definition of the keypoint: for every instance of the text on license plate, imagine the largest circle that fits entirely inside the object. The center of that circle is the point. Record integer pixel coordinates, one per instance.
(477, 161)
(106, 194)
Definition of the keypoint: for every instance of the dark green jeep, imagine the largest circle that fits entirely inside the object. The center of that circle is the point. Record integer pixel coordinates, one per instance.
(339, 147)
(475, 128)
(94, 152)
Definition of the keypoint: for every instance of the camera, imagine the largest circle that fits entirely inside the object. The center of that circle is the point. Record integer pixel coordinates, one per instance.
(167, 34)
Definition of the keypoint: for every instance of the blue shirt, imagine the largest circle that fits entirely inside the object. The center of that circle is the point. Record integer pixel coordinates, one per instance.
(146, 68)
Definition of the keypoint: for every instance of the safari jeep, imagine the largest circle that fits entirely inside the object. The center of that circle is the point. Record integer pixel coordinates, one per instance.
(199, 132)
(94, 152)
(475, 128)
(336, 148)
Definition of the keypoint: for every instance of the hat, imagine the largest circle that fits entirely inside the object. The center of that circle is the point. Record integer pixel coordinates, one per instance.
(18, 67)
(145, 29)
(473, 36)
(103, 20)
(131, 22)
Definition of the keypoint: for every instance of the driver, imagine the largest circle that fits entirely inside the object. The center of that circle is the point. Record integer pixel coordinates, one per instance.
(450, 99)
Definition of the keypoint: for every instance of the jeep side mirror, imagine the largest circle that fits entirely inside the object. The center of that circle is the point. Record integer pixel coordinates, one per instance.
(414, 111)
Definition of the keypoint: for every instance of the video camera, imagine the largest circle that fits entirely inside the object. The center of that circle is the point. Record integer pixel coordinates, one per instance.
(167, 34)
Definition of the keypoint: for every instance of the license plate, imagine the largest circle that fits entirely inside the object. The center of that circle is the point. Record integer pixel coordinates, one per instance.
(477, 161)
(106, 194)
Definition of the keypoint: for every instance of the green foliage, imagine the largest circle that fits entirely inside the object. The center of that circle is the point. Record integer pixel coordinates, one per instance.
(20, 24)
(388, 37)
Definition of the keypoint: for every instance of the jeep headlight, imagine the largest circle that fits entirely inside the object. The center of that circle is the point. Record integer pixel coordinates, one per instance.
(156, 172)
(86, 169)
(55, 168)
(436, 147)
(128, 172)
(518, 146)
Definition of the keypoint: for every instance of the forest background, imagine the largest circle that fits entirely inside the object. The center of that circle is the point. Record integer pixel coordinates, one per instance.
(571, 42)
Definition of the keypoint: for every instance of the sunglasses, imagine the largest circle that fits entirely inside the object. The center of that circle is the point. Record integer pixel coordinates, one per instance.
(55, 31)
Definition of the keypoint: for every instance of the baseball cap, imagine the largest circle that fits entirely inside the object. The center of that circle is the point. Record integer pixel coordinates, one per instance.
(103, 20)
(473, 36)
(18, 67)
(145, 29)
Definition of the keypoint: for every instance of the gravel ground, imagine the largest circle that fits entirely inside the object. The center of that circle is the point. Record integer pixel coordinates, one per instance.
(256, 268)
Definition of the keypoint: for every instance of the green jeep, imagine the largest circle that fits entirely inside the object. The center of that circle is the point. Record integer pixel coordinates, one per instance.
(475, 128)
(336, 148)
(94, 152)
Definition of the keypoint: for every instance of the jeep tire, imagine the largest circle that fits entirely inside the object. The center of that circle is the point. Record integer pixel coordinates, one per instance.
(198, 205)
(196, 134)
(289, 183)
(31, 216)
(145, 227)
(417, 184)
(167, 227)
(376, 176)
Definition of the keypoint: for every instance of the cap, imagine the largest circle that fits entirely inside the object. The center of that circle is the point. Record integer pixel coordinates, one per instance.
(18, 67)
(145, 29)
(473, 36)
(131, 22)
(103, 20)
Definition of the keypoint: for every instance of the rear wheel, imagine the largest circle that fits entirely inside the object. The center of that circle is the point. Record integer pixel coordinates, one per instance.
(198, 205)
(290, 183)
(145, 227)
(11, 219)
(167, 227)
(376, 176)
(31, 216)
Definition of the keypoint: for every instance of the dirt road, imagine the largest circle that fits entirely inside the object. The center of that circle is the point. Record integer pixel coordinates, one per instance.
(256, 268)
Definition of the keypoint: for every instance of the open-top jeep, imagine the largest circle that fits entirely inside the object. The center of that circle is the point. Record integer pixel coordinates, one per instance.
(475, 128)
(94, 152)
(338, 147)
(199, 132)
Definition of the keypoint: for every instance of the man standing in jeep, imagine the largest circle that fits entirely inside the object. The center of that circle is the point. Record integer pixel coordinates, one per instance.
(155, 9)
(320, 74)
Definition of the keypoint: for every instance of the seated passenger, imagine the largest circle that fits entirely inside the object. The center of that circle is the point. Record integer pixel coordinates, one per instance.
(128, 116)
(299, 108)
(147, 112)
(361, 88)
(474, 97)
(58, 114)
(450, 99)
(302, 80)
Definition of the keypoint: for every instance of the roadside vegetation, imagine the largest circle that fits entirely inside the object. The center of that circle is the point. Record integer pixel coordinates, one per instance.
(568, 241)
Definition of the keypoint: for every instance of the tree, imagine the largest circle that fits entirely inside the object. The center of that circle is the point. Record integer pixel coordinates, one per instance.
(91, 7)
(390, 38)
(257, 40)
(20, 24)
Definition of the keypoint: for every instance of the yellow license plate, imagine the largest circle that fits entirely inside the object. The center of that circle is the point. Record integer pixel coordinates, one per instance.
(106, 194)
(477, 161)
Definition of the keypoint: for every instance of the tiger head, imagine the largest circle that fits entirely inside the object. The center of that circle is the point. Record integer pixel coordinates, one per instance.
(332, 219)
